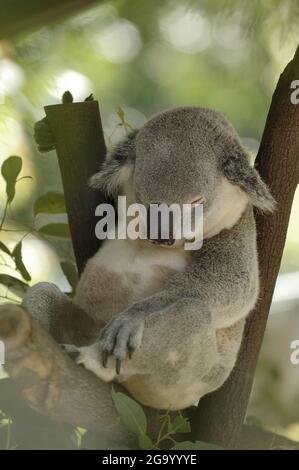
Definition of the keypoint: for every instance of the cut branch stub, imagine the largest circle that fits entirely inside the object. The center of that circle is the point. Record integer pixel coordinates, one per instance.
(80, 147)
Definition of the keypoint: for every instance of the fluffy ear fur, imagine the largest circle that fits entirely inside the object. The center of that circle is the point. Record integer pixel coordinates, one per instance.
(117, 168)
(237, 170)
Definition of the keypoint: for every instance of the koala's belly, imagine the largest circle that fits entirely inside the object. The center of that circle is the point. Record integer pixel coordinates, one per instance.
(176, 385)
(123, 272)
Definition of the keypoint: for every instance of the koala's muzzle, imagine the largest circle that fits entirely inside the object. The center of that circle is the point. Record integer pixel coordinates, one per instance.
(160, 229)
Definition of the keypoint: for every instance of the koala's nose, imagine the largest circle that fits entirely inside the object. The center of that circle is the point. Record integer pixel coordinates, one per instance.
(162, 242)
(154, 228)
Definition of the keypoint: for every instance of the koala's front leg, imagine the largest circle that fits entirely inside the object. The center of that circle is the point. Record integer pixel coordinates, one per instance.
(123, 334)
(150, 336)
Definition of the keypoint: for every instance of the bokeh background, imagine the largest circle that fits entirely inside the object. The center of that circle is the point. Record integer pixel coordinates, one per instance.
(142, 57)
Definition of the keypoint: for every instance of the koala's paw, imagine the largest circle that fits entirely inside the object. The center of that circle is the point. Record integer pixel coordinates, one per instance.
(88, 356)
(120, 338)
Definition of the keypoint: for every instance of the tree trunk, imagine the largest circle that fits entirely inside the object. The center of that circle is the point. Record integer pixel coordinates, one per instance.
(17, 16)
(220, 415)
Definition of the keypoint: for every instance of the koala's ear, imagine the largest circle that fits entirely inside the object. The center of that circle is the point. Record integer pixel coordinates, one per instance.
(117, 168)
(237, 170)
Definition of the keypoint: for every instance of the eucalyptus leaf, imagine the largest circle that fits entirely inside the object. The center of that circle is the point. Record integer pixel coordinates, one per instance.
(4, 249)
(10, 170)
(17, 286)
(51, 202)
(121, 115)
(179, 425)
(18, 259)
(131, 413)
(67, 97)
(55, 230)
(145, 442)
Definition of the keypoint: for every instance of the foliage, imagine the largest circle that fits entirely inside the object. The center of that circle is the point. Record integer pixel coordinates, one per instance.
(51, 202)
(134, 418)
(23, 428)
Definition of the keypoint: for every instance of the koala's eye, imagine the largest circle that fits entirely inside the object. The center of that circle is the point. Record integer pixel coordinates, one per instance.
(137, 196)
(198, 200)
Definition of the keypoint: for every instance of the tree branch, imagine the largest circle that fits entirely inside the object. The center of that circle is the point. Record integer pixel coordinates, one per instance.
(220, 415)
(51, 382)
(17, 16)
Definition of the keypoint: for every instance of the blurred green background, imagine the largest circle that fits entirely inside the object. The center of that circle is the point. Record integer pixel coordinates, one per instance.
(145, 56)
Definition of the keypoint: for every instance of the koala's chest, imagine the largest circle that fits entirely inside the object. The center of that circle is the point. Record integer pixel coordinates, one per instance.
(140, 264)
(125, 271)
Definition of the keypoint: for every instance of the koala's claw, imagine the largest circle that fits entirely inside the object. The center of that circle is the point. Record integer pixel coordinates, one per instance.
(120, 338)
(117, 366)
(130, 351)
(105, 356)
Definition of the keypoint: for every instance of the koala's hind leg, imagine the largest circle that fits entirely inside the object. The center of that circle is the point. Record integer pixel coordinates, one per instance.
(59, 315)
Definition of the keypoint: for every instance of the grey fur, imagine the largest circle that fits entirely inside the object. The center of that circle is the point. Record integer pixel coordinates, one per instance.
(122, 154)
(183, 326)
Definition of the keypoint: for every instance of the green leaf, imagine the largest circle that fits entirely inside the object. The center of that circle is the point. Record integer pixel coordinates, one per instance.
(4, 249)
(70, 271)
(121, 115)
(145, 442)
(89, 97)
(10, 170)
(131, 413)
(67, 97)
(17, 256)
(50, 203)
(179, 424)
(55, 230)
(197, 445)
(17, 286)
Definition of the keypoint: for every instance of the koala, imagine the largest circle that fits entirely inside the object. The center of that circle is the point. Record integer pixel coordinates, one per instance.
(167, 323)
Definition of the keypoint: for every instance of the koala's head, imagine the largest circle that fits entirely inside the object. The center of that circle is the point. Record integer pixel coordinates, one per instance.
(183, 155)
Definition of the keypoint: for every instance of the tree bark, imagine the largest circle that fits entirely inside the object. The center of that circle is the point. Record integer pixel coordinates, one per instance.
(220, 415)
(254, 438)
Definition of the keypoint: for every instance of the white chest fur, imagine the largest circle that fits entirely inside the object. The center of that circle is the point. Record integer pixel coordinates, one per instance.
(123, 272)
(139, 257)
(229, 204)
